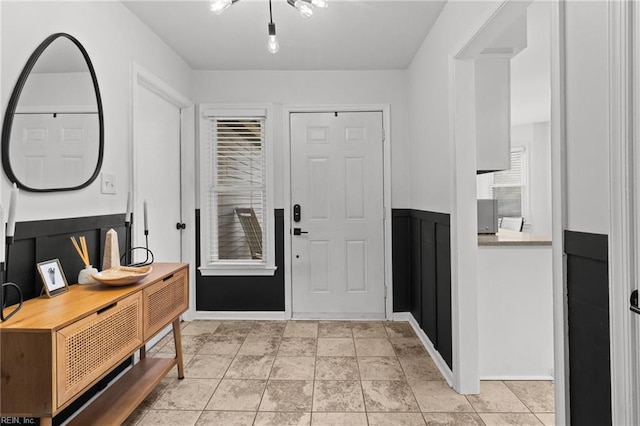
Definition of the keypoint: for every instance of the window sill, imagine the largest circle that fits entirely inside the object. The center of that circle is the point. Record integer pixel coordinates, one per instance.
(239, 271)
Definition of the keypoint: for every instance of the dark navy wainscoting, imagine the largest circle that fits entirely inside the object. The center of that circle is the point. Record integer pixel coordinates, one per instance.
(589, 338)
(421, 246)
(243, 293)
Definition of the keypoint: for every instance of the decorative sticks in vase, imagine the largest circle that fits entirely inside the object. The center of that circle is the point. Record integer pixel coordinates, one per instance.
(85, 275)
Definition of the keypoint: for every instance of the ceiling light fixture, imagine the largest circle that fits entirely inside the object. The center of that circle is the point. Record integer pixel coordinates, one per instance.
(304, 7)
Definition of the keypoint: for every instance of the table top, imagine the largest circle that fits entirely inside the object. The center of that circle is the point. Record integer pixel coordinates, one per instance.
(43, 314)
(505, 237)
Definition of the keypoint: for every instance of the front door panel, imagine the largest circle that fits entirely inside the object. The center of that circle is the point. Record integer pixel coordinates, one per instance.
(337, 179)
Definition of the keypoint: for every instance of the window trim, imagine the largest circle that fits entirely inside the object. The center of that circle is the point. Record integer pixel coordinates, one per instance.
(264, 267)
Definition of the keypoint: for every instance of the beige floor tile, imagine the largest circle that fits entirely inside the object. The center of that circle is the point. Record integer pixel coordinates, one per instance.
(419, 368)
(207, 366)
(293, 368)
(362, 330)
(170, 417)
(301, 329)
(234, 328)
(173, 373)
(226, 418)
(337, 396)
(336, 368)
(186, 394)
(334, 329)
(373, 347)
(135, 417)
(380, 368)
(237, 395)
(221, 345)
(255, 345)
(297, 346)
(386, 396)
(268, 328)
(510, 419)
(338, 419)
(408, 346)
(399, 329)
(452, 419)
(288, 395)
(250, 367)
(548, 419)
(166, 339)
(190, 345)
(496, 397)
(395, 419)
(438, 397)
(536, 395)
(197, 327)
(336, 346)
(282, 419)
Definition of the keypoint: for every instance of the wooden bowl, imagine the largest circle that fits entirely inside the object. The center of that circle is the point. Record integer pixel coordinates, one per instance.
(122, 275)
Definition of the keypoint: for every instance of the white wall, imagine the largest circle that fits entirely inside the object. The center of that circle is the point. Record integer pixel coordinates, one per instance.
(429, 108)
(515, 312)
(309, 88)
(113, 38)
(587, 106)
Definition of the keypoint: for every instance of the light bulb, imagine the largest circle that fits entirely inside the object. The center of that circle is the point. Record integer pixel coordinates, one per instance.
(273, 44)
(304, 8)
(219, 6)
(322, 4)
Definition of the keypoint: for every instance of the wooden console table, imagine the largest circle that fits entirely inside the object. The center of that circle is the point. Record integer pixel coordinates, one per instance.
(55, 349)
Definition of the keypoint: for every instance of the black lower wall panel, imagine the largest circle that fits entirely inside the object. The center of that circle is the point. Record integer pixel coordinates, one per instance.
(589, 336)
(243, 293)
(415, 290)
(401, 259)
(422, 246)
(428, 281)
(444, 343)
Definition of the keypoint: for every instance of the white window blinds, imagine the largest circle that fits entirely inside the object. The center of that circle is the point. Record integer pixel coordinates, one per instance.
(508, 185)
(237, 190)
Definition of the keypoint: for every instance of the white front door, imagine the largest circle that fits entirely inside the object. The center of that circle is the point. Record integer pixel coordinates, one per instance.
(337, 182)
(157, 139)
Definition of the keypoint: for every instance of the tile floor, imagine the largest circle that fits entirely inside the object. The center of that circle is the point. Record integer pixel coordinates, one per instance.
(324, 373)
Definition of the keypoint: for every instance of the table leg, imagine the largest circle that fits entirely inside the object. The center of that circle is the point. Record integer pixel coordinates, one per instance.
(143, 351)
(46, 421)
(177, 338)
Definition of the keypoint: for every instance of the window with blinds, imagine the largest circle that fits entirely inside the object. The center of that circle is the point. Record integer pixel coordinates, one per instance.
(237, 190)
(508, 186)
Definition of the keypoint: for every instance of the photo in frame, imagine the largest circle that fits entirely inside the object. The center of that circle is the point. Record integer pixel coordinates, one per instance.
(53, 280)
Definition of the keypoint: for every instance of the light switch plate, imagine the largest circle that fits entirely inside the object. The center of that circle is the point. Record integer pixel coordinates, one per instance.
(108, 183)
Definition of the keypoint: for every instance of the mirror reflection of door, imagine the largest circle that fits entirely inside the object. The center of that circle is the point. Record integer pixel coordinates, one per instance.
(55, 130)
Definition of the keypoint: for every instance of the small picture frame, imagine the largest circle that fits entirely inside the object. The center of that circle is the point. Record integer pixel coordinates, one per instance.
(53, 280)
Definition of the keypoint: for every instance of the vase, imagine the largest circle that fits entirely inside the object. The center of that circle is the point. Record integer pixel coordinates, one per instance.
(85, 275)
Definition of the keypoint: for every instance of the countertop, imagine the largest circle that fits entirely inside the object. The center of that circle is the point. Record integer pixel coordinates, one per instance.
(504, 237)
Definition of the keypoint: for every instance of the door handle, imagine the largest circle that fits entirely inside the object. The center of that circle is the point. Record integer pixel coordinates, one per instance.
(299, 231)
(634, 302)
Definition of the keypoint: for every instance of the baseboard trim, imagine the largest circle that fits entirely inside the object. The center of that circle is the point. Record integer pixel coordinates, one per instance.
(527, 378)
(240, 315)
(435, 355)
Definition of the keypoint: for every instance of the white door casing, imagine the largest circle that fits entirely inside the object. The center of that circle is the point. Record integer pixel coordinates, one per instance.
(337, 179)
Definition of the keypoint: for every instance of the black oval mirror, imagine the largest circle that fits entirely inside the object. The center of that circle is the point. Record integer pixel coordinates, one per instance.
(53, 131)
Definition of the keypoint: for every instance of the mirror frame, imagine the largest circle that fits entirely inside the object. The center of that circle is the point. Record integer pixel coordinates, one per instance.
(13, 103)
